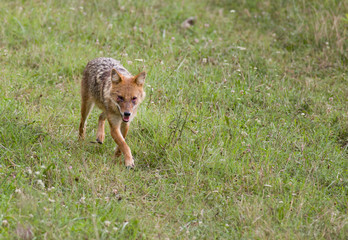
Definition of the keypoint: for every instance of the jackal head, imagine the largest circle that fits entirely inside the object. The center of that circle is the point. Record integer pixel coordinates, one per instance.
(127, 93)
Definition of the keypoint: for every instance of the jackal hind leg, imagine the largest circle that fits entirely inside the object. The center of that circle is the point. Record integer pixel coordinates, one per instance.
(101, 129)
(86, 107)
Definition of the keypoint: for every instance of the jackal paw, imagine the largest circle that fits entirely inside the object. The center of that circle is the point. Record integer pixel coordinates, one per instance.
(100, 141)
(100, 138)
(129, 163)
(81, 137)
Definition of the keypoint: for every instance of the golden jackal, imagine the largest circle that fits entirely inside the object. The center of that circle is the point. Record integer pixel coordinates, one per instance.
(117, 93)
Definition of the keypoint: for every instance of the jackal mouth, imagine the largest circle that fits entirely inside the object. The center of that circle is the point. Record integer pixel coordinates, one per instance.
(125, 118)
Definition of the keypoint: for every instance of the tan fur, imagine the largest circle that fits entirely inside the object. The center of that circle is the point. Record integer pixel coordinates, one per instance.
(107, 84)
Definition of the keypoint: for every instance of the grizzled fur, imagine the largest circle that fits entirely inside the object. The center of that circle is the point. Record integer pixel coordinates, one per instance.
(117, 93)
(97, 75)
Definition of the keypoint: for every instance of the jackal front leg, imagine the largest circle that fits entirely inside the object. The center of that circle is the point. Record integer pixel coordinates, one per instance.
(124, 131)
(122, 145)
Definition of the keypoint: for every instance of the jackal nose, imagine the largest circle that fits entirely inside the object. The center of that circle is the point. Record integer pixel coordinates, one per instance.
(127, 114)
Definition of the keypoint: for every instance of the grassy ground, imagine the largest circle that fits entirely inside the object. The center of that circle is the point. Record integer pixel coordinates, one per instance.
(243, 133)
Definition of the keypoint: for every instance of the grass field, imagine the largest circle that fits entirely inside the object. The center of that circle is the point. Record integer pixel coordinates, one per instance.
(243, 133)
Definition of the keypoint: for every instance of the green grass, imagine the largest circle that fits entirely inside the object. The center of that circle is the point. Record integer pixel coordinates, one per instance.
(243, 133)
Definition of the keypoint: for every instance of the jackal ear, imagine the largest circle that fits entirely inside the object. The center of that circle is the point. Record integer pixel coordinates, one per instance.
(115, 76)
(140, 78)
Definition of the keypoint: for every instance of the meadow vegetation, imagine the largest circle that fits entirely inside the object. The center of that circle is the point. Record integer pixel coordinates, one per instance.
(243, 133)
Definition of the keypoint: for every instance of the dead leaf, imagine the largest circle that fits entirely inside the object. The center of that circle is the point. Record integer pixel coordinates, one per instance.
(188, 22)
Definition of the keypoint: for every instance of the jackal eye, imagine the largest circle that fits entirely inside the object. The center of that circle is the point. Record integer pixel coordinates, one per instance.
(120, 99)
(134, 99)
